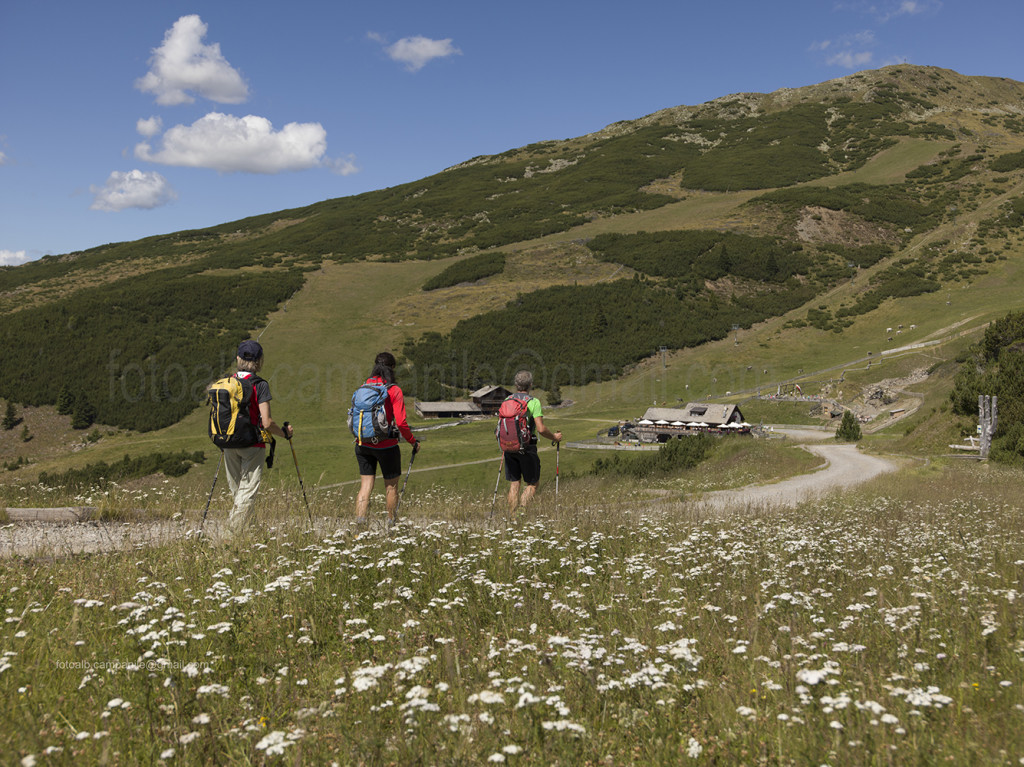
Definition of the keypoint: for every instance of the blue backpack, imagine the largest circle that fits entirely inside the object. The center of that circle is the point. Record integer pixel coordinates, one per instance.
(367, 418)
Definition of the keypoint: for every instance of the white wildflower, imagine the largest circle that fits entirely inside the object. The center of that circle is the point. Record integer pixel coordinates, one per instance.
(274, 743)
(694, 748)
(487, 697)
(564, 725)
(214, 689)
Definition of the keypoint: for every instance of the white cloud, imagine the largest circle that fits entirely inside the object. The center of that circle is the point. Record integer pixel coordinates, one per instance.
(149, 126)
(851, 59)
(911, 8)
(12, 257)
(134, 189)
(247, 144)
(342, 166)
(849, 50)
(183, 63)
(886, 10)
(416, 52)
(3, 158)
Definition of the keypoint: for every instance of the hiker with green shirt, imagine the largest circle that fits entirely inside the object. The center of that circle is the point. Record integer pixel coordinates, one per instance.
(523, 465)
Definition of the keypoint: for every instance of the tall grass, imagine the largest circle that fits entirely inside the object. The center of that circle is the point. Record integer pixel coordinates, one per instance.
(882, 627)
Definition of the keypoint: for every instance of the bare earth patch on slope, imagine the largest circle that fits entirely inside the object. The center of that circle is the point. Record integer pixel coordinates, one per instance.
(837, 227)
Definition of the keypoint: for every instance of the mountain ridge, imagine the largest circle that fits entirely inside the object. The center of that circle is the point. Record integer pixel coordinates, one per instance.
(549, 201)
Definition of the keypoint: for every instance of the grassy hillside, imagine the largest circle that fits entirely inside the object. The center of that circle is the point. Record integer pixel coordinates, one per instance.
(761, 238)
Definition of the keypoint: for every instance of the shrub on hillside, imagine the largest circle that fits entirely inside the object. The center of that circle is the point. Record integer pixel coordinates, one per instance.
(1005, 163)
(703, 254)
(674, 455)
(611, 325)
(468, 270)
(99, 475)
(892, 204)
(145, 346)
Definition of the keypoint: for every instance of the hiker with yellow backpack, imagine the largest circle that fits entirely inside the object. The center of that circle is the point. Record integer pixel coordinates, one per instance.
(241, 425)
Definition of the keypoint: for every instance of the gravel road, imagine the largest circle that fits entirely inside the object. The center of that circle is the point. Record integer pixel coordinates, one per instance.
(844, 466)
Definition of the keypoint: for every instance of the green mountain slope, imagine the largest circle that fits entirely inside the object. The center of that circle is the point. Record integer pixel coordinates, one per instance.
(672, 231)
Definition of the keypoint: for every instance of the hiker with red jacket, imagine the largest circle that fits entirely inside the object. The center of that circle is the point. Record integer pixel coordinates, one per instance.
(244, 465)
(524, 465)
(384, 452)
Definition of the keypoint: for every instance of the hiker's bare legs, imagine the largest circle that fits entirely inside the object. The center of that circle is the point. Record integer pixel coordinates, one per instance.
(391, 497)
(528, 493)
(516, 500)
(363, 498)
(513, 496)
(366, 489)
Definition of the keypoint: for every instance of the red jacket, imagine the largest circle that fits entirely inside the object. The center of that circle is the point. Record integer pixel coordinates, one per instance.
(395, 409)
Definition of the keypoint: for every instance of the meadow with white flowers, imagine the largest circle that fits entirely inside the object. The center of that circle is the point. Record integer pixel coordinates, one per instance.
(877, 627)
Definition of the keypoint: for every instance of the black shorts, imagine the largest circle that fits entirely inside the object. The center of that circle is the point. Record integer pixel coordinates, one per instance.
(389, 458)
(524, 466)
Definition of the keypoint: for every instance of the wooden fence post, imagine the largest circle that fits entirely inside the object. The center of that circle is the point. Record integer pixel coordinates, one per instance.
(988, 417)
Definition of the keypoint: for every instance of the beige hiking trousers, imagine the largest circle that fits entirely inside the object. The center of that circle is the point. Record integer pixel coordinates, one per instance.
(244, 467)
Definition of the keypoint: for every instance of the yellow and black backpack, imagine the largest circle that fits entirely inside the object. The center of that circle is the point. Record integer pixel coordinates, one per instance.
(234, 412)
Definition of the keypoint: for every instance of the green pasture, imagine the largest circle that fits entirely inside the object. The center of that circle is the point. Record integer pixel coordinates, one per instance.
(321, 343)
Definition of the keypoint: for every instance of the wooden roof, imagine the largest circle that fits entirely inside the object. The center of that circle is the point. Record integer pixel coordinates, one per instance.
(713, 414)
(447, 407)
(489, 390)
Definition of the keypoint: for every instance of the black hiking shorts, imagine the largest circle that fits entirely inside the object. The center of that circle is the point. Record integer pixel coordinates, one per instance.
(389, 459)
(523, 466)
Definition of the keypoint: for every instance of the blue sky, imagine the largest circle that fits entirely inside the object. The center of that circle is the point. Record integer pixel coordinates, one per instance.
(121, 120)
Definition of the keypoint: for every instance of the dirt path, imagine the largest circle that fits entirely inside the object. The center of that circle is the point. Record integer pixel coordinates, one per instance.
(844, 466)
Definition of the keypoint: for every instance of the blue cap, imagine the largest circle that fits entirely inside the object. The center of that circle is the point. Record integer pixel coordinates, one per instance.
(250, 350)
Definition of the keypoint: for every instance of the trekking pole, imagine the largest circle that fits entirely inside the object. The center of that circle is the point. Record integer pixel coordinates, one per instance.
(558, 446)
(402, 494)
(214, 485)
(496, 483)
(299, 474)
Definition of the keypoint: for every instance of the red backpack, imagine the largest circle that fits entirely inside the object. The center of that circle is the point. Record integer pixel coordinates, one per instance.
(513, 430)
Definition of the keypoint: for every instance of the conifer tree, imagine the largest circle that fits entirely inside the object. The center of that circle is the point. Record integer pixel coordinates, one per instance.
(10, 417)
(66, 400)
(849, 429)
(84, 415)
(555, 395)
